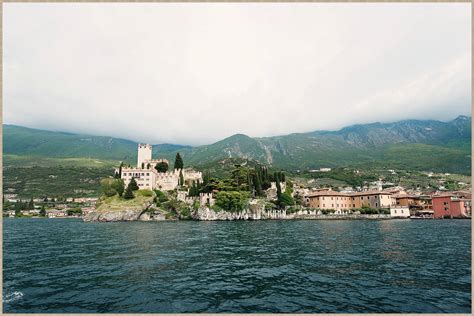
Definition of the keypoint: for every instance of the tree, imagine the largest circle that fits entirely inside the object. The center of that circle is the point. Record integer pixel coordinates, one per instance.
(133, 184)
(119, 186)
(42, 211)
(161, 167)
(194, 191)
(128, 192)
(257, 185)
(106, 187)
(178, 162)
(232, 200)
(285, 199)
(18, 209)
(181, 177)
(31, 205)
(278, 186)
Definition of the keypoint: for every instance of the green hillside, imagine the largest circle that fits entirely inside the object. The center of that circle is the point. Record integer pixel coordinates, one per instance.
(23, 141)
(41, 162)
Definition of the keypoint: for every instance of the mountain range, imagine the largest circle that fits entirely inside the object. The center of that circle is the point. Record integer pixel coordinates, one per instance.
(411, 144)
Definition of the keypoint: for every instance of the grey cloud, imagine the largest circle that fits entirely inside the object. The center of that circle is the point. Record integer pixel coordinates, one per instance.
(196, 73)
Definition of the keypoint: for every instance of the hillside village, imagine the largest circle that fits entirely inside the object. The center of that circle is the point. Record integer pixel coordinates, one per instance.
(249, 193)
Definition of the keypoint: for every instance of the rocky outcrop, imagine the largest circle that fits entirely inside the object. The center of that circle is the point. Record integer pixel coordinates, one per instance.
(114, 215)
(105, 214)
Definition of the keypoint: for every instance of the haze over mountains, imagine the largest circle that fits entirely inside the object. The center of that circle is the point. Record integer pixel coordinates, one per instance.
(412, 144)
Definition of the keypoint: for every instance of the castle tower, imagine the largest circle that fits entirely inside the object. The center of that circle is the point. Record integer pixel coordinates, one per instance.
(144, 154)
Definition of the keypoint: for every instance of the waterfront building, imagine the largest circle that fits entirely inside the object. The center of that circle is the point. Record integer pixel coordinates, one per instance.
(56, 213)
(449, 205)
(400, 211)
(340, 201)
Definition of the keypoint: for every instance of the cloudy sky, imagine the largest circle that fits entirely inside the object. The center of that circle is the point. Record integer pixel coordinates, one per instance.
(196, 73)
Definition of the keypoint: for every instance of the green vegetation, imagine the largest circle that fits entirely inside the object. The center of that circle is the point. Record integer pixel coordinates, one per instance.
(118, 203)
(41, 163)
(61, 180)
(178, 162)
(42, 212)
(368, 210)
(128, 193)
(74, 211)
(161, 167)
(232, 200)
(133, 184)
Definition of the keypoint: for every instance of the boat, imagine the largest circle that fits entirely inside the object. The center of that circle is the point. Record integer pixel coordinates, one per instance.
(424, 214)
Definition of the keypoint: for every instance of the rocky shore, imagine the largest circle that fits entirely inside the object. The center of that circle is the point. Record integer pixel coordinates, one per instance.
(206, 214)
(254, 212)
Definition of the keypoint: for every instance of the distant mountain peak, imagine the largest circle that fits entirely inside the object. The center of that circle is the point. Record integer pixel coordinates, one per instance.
(462, 118)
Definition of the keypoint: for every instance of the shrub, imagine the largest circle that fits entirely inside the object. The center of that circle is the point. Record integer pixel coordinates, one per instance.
(73, 211)
(293, 209)
(106, 187)
(161, 196)
(118, 186)
(328, 211)
(184, 212)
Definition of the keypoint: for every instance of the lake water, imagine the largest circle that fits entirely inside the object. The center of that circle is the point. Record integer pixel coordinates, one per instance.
(65, 265)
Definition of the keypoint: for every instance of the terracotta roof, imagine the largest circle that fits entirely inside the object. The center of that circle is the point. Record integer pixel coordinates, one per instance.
(370, 193)
(327, 193)
(408, 196)
(336, 193)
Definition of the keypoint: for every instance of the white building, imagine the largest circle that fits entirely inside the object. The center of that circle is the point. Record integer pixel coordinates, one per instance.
(400, 211)
(147, 177)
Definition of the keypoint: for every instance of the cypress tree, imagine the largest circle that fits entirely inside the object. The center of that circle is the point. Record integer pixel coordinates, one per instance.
(178, 162)
(181, 177)
(278, 187)
(128, 192)
(257, 185)
(42, 211)
(31, 205)
(133, 184)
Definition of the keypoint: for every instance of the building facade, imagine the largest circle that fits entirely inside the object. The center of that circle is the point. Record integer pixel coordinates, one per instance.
(339, 201)
(147, 177)
(451, 206)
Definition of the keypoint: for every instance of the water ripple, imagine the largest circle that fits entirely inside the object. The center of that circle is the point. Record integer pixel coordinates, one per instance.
(67, 266)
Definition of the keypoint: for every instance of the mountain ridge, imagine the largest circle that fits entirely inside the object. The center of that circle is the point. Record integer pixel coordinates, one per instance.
(444, 145)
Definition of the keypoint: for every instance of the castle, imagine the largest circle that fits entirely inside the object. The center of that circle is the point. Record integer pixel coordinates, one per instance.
(148, 177)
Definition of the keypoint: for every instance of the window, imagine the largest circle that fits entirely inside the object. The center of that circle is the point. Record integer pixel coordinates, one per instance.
(396, 211)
